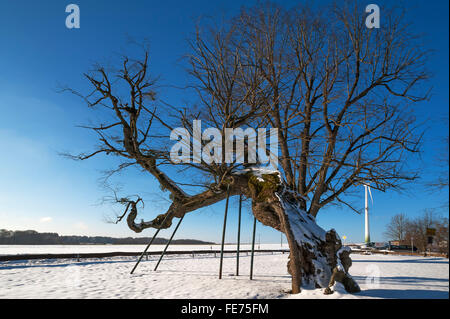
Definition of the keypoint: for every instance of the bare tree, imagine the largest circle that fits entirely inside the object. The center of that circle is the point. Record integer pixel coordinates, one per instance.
(337, 92)
(397, 228)
(442, 233)
(442, 163)
(417, 229)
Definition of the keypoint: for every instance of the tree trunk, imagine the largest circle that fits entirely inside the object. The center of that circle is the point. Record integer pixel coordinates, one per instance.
(317, 258)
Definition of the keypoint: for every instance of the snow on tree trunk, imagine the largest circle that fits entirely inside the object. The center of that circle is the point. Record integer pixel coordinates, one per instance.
(317, 258)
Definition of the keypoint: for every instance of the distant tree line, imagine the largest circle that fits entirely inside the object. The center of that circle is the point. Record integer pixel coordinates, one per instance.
(32, 237)
(406, 230)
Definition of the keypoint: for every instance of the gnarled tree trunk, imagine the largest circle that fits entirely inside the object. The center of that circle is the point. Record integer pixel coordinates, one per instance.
(317, 258)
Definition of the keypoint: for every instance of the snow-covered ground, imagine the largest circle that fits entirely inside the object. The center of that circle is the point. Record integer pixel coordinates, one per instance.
(182, 276)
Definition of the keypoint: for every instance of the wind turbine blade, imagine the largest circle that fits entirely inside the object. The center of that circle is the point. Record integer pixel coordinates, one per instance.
(370, 193)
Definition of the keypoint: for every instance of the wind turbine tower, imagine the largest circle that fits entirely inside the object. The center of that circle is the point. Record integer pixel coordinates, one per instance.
(366, 210)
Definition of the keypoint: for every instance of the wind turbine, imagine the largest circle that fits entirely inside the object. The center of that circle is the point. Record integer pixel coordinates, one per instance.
(366, 210)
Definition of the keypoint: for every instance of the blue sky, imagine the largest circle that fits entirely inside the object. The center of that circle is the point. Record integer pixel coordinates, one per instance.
(43, 191)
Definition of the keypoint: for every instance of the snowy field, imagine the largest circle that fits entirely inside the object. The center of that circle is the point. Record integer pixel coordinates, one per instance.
(380, 276)
(67, 249)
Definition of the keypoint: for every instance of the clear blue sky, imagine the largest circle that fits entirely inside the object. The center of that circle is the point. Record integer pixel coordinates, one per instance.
(43, 191)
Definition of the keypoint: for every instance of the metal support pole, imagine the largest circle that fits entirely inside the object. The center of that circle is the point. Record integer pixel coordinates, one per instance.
(168, 243)
(253, 248)
(151, 241)
(239, 235)
(223, 232)
(281, 237)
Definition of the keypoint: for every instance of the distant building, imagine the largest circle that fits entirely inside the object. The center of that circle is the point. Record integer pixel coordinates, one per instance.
(399, 242)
